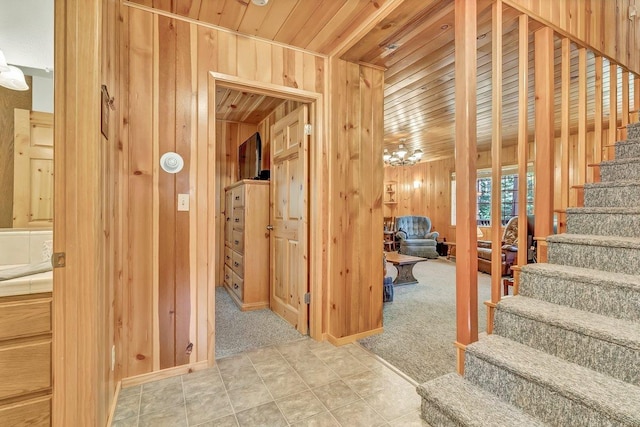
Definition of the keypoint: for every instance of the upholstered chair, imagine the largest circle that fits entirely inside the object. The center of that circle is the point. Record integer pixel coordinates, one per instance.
(415, 236)
(508, 249)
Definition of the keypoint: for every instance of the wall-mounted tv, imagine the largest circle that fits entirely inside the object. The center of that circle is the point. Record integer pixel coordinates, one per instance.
(250, 157)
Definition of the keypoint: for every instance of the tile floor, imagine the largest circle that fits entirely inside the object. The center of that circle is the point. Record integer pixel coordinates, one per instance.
(303, 383)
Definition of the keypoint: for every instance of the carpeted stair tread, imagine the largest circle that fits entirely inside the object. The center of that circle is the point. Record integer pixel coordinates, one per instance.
(612, 193)
(627, 149)
(468, 405)
(620, 332)
(620, 169)
(585, 275)
(613, 184)
(604, 221)
(620, 401)
(621, 162)
(595, 240)
(632, 210)
(607, 293)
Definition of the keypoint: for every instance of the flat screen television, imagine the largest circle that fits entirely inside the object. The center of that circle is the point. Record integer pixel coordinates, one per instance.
(249, 157)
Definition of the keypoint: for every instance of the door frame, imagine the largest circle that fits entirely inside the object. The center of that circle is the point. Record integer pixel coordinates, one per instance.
(316, 192)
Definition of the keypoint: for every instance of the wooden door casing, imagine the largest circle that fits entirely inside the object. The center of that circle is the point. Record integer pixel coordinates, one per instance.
(289, 218)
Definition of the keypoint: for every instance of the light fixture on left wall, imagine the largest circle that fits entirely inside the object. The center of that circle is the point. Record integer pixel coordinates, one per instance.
(11, 77)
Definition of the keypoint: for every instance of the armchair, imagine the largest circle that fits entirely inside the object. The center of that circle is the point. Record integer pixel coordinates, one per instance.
(509, 248)
(415, 236)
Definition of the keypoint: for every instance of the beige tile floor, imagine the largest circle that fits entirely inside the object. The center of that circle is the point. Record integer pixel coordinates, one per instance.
(303, 383)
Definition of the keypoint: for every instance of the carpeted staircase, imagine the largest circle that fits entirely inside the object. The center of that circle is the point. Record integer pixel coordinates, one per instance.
(566, 351)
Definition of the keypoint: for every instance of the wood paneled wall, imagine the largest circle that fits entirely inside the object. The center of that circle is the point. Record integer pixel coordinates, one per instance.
(603, 25)
(9, 100)
(164, 101)
(355, 201)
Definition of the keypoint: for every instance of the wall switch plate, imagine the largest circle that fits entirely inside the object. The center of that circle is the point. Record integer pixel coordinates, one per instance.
(183, 202)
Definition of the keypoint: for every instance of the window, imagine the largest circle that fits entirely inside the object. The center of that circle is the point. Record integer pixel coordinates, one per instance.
(509, 192)
(509, 205)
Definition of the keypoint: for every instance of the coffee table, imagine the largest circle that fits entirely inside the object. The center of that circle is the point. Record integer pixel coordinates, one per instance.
(404, 264)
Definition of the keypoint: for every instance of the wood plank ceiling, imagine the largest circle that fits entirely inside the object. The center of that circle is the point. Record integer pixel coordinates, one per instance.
(414, 43)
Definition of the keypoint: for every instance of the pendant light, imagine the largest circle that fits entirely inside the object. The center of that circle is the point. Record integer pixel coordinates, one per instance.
(11, 77)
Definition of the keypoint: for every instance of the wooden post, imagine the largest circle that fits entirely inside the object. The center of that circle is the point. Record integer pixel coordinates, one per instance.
(544, 129)
(582, 124)
(597, 137)
(625, 98)
(496, 158)
(466, 154)
(523, 142)
(613, 109)
(565, 90)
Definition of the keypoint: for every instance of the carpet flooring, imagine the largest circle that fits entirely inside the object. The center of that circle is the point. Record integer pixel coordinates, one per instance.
(238, 331)
(420, 323)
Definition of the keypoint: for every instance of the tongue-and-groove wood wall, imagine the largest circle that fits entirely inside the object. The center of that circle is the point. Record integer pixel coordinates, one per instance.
(167, 277)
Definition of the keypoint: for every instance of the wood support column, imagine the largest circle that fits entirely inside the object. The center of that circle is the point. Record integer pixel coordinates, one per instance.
(599, 108)
(565, 89)
(523, 142)
(466, 154)
(544, 135)
(613, 110)
(496, 161)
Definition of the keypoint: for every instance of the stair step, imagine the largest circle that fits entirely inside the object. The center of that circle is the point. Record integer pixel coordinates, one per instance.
(604, 344)
(620, 169)
(549, 388)
(627, 149)
(606, 253)
(600, 292)
(612, 194)
(452, 401)
(604, 221)
(633, 131)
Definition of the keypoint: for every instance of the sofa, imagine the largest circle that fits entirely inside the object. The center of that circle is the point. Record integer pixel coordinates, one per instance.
(415, 237)
(508, 248)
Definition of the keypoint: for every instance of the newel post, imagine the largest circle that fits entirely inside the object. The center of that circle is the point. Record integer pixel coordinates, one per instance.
(465, 162)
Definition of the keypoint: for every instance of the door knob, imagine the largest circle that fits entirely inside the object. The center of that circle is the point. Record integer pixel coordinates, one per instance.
(269, 227)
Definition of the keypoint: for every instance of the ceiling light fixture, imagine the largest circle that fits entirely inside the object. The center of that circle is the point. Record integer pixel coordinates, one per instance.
(397, 158)
(3, 63)
(260, 2)
(11, 77)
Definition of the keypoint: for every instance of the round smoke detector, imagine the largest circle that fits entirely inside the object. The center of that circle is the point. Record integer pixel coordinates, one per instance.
(171, 162)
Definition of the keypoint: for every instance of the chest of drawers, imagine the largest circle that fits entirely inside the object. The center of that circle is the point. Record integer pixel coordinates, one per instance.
(246, 270)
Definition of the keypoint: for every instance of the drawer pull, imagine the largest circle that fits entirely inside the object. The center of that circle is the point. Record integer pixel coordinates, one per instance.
(237, 242)
(237, 197)
(235, 286)
(237, 220)
(235, 264)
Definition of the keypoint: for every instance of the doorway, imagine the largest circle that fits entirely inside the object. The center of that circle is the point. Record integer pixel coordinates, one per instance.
(249, 97)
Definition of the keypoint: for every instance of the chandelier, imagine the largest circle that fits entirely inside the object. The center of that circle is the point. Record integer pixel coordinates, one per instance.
(397, 158)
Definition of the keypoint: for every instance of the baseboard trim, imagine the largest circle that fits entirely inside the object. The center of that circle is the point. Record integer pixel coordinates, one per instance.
(114, 403)
(164, 373)
(352, 338)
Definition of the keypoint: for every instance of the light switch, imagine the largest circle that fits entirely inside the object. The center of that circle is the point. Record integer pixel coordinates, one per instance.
(183, 202)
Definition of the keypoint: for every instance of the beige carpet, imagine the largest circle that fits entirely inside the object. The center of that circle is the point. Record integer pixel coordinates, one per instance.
(419, 325)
